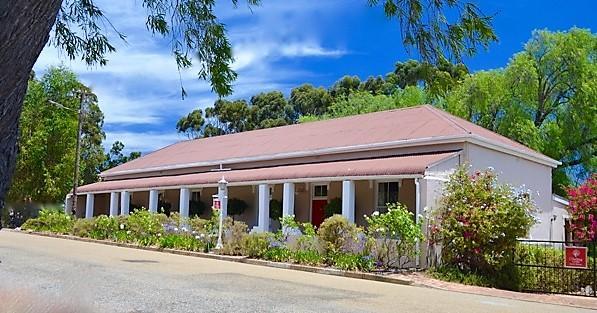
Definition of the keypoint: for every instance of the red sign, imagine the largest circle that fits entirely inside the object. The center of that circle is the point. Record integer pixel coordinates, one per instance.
(575, 257)
(216, 203)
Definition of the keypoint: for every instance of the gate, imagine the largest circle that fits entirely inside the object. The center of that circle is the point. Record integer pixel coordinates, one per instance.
(565, 267)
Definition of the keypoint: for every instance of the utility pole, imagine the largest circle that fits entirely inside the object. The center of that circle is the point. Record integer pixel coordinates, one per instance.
(78, 153)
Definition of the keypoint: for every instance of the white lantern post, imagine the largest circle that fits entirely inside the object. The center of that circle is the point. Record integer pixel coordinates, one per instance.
(223, 199)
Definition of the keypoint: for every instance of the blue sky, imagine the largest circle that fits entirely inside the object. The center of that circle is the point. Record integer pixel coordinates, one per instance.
(277, 46)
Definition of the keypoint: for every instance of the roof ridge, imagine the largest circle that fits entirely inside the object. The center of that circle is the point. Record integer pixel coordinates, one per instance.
(442, 114)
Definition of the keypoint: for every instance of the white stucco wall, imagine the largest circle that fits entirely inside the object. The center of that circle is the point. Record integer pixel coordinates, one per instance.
(518, 172)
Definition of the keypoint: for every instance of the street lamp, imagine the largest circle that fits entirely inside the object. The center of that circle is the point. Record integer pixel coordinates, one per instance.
(223, 198)
(82, 98)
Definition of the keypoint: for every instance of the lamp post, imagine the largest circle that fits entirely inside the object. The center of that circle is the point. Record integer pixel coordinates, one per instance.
(82, 98)
(223, 198)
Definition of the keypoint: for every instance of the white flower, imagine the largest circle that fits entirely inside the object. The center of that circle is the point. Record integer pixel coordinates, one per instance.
(197, 237)
(175, 228)
(376, 213)
(202, 235)
(159, 234)
(121, 226)
(128, 232)
(184, 229)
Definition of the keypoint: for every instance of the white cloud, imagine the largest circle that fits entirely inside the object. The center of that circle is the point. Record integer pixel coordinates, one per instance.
(140, 87)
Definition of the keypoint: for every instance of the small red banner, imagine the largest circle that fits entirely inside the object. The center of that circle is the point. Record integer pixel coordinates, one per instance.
(216, 203)
(576, 257)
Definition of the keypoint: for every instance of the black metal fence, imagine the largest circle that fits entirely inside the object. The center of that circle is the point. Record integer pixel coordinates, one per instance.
(543, 267)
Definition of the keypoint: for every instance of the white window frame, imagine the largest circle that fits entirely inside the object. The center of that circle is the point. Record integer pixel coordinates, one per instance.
(376, 197)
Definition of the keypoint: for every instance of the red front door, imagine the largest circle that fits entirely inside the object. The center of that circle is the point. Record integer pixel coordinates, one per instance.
(317, 213)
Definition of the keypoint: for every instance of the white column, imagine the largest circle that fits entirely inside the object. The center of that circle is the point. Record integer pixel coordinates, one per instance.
(153, 201)
(113, 203)
(288, 200)
(263, 221)
(89, 206)
(125, 201)
(348, 200)
(184, 202)
(417, 213)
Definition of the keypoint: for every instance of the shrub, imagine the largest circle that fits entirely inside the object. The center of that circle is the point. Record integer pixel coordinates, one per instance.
(395, 235)
(236, 207)
(233, 238)
(352, 262)
(548, 277)
(308, 257)
(583, 209)
(51, 220)
(104, 227)
(334, 231)
(333, 207)
(478, 222)
(277, 254)
(144, 227)
(255, 245)
(83, 227)
(196, 208)
(275, 209)
(180, 241)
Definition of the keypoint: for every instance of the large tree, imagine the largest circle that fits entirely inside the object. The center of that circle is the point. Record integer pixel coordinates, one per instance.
(45, 165)
(544, 98)
(194, 31)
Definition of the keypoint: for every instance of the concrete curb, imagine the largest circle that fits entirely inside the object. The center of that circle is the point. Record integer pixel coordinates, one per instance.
(238, 259)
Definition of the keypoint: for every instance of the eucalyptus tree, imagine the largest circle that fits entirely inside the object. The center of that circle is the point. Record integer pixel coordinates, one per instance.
(545, 98)
(80, 28)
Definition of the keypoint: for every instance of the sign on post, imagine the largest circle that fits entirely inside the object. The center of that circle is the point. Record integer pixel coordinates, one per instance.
(575, 257)
(215, 202)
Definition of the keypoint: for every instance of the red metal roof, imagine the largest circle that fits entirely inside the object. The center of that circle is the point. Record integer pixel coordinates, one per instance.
(401, 165)
(412, 123)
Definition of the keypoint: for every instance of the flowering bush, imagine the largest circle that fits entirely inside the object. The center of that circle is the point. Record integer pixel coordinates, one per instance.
(583, 209)
(479, 221)
(51, 220)
(394, 235)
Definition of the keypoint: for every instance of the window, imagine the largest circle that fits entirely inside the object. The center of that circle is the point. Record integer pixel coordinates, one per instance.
(196, 196)
(386, 193)
(320, 191)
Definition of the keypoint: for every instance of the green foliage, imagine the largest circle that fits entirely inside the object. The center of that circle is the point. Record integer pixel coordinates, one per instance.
(548, 278)
(352, 262)
(289, 222)
(437, 35)
(144, 227)
(236, 206)
(115, 156)
(192, 124)
(394, 235)
(255, 245)
(83, 227)
(307, 257)
(50, 220)
(180, 242)
(47, 139)
(104, 227)
(333, 207)
(196, 208)
(454, 275)
(544, 98)
(275, 209)
(278, 254)
(479, 221)
(334, 233)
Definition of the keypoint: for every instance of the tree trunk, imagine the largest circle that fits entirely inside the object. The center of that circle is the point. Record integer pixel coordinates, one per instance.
(25, 27)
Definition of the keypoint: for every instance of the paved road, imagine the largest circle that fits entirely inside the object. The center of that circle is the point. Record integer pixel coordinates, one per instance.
(113, 279)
